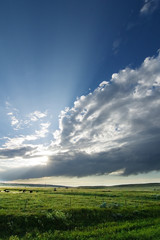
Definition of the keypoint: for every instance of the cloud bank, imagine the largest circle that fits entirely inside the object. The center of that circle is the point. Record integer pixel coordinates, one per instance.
(115, 129)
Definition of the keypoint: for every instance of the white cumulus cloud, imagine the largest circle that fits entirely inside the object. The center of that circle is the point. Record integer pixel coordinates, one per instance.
(120, 115)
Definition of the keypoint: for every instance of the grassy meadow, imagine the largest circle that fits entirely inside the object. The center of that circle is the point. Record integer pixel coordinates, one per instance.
(115, 213)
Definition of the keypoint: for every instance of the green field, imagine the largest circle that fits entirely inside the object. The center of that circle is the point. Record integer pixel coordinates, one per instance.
(80, 213)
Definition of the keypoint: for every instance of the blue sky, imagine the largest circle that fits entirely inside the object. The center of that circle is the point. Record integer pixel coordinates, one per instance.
(79, 91)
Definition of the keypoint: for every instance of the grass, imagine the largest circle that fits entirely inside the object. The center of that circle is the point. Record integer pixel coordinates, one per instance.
(78, 213)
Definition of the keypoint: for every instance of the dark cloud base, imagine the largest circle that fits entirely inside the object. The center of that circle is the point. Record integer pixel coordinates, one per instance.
(134, 159)
(18, 152)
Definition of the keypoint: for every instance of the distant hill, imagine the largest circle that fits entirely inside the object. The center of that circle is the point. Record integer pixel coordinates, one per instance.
(29, 185)
(123, 186)
(93, 187)
(140, 185)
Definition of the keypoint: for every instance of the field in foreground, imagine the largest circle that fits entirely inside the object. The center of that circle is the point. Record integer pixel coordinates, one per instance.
(126, 213)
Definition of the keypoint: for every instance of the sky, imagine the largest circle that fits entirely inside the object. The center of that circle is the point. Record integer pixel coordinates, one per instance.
(80, 91)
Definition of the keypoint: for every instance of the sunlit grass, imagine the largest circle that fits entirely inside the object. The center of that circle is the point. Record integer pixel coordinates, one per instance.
(79, 213)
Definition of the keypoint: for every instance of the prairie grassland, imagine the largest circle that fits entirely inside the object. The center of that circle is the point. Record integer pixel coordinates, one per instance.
(77, 213)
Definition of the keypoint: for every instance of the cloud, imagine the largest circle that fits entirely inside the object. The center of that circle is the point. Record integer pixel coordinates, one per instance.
(18, 152)
(13, 114)
(149, 7)
(28, 138)
(117, 125)
(14, 120)
(19, 122)
(36, 115)
(28, 123)
(25, 148)
(113, 130)
(43, 130)
(131, 159)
